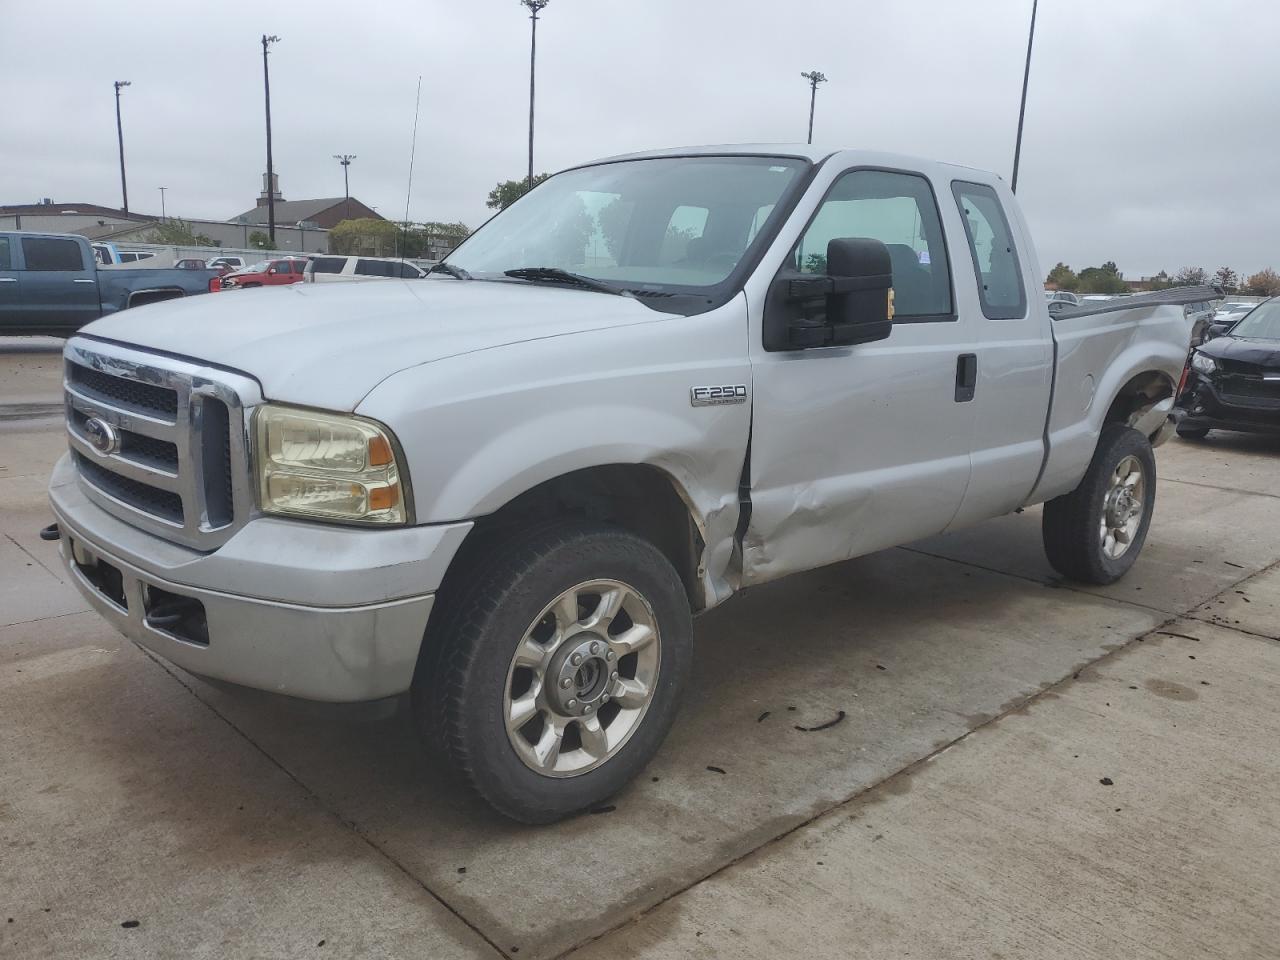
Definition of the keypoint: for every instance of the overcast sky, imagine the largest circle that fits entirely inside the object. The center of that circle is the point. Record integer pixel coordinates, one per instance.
(1151, 134)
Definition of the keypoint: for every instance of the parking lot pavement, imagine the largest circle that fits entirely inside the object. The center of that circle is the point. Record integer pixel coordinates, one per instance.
(235, 824)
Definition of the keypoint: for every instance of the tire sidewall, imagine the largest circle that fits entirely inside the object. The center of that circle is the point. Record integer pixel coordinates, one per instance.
(478, 724)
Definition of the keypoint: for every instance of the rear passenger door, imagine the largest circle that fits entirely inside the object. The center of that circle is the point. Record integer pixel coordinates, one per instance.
(58, 288)
(858, 448)
(1014, 351)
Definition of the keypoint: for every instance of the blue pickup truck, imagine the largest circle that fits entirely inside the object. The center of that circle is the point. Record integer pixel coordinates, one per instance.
(50, 284)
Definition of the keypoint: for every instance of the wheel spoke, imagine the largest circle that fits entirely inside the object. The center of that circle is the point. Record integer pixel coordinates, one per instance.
(547, 750)
(522, 710)
(595, 740)
(531, 654)
(637, 637)
(608, 607)
(566, 611)
(630, 694)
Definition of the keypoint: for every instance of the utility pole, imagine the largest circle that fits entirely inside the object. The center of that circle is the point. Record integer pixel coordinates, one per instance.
(535, 7)
(124, 188)
(271, 185)
(345, 159)
(814, 77)
(162, 190)
(1022, 109)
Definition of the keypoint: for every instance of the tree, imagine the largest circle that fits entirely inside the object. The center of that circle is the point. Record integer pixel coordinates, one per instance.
(1190, 277)
(369, 235)
(259, 240)
(509, 191)
(1264, 283)
(178, 233)
(1227, 279)
(1103, 279)
(1063, 277)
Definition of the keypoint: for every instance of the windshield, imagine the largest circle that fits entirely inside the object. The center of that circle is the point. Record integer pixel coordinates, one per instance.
(668, 224)
(1262, 323)
(259, 267)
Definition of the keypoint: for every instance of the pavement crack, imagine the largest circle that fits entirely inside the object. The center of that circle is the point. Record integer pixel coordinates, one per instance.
(1214, 486)
(35, 558)
(319, 802)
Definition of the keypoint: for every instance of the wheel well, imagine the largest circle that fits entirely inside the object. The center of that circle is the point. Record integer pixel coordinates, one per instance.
(153, 296)
(1138, 396)
(636, 497)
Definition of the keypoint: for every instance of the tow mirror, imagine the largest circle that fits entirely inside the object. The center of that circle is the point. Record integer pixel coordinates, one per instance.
(851, 303)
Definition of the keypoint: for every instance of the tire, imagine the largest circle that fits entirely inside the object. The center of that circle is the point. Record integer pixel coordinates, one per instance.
(1192, 433)
(1076, 525)
(516, 602)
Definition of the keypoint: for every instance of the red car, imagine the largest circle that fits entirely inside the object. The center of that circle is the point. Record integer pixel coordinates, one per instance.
(268, 273)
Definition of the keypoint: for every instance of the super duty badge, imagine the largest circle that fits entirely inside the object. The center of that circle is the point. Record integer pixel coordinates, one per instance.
(711, 396)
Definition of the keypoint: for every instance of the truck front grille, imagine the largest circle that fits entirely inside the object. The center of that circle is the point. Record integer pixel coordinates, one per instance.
(173, 457)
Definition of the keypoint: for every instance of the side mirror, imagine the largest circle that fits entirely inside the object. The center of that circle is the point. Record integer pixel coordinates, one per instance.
(1217, 330)
(851, 303)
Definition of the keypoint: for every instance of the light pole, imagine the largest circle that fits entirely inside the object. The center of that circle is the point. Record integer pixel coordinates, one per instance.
(1022, 108)
(535, 7)
(124, 189)
(814, 77)
(345, 159)
(271, 187)
(162, 190)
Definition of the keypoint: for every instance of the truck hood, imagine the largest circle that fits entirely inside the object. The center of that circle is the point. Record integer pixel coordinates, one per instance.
(327, 345)
(1265, 353)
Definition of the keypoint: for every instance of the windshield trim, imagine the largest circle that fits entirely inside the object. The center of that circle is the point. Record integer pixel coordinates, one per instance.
(689, 300)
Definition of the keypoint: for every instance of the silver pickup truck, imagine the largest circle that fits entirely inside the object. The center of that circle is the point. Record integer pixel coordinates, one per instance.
(652, 382)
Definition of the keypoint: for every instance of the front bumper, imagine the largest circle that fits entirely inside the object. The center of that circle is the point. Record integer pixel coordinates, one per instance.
(1201, 405)
(309, 610)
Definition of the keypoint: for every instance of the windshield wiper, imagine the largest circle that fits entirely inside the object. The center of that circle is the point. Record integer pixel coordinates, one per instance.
(556, 275)
(456, 272)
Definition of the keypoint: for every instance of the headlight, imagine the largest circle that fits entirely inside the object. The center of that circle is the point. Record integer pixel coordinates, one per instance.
(1202, 364)
(327, 466)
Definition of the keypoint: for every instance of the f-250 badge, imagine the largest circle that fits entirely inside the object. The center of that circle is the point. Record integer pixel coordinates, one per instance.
(711, 396)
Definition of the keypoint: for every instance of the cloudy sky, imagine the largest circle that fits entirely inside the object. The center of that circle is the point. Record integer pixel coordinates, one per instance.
(1151, 133)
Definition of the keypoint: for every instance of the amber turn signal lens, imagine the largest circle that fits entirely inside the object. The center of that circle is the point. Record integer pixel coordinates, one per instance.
(384, 498)
(380, 452)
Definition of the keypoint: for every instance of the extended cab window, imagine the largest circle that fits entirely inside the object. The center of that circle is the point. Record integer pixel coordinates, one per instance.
(897, 209)
(328, 264)
(995, 258)
(6, 258)
(48, 253)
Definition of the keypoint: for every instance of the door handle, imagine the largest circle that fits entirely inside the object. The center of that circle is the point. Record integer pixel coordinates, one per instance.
(83, 280)
(8, 279)
(966, 376)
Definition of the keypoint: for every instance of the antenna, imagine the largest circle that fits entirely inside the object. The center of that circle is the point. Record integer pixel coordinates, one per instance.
(413, 148)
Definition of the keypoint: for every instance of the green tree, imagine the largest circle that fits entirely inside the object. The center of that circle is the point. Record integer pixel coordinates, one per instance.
(1227, 279)
(1264, 283)
(1190, 277)
(369, 235)
(1063, 277)
(1103, 279)
(259, 240)
(509, 191)
(178, 233)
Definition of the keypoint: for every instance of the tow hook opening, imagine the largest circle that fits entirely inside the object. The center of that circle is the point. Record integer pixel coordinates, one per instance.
(180, 617)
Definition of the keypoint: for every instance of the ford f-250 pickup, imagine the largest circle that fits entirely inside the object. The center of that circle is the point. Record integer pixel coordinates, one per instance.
(50, 284)
(653, 381)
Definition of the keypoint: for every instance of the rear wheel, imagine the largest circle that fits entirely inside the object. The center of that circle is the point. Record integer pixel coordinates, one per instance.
(1095, 533)
(560, 669)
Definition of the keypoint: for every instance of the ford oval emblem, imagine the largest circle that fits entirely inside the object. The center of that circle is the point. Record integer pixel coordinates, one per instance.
(101, 436)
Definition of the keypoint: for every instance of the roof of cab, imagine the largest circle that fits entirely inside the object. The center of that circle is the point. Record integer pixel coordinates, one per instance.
(815, 153)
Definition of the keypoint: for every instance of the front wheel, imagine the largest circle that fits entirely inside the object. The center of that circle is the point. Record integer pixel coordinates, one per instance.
(1095, 533)
(561, 668)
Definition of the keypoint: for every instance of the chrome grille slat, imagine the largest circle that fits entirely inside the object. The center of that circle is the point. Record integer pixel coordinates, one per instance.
(158, 478)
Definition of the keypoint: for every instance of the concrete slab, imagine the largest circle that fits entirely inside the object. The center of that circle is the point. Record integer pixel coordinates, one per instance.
(1224, 460)
(1252, 605)
(915, 651)
(1011, 844)
(30, 589)
(1201, 542)
(125, 800)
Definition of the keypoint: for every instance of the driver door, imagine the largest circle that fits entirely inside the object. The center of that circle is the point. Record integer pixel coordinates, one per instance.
(858, 448)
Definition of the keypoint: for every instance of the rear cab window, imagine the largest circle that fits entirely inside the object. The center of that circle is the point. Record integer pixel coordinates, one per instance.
(995, 255)
(51, 253)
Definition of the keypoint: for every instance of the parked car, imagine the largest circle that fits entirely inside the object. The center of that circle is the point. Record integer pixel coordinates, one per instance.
(108, 254)
(326, 269)
(1232, 382)
(1228, 313)
(505, 489)
(1061, 296)
(50, 284)
(190, 263)
(231, 263)
(266, 273)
